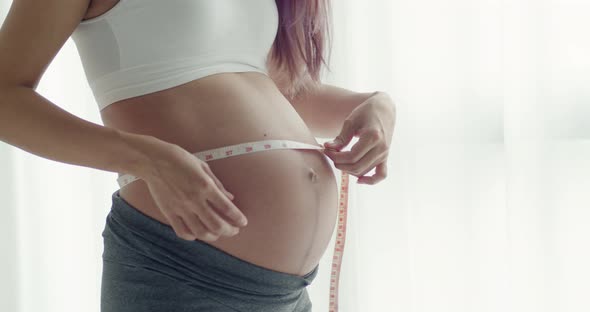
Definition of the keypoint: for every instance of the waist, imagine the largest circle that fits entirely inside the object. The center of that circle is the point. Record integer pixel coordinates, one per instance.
(235, 150)
(215, 117)
(215, 111)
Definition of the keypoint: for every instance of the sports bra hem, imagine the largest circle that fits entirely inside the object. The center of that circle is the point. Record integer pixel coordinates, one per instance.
(107, 98)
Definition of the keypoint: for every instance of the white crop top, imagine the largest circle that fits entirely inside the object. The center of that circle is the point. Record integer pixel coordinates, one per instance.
(144, 46)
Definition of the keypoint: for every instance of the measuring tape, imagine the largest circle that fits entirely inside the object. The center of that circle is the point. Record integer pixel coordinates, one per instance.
(257, 146)
(339, 245)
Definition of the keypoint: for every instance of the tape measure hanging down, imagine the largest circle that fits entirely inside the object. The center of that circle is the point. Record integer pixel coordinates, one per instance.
(339, 245)
(257, 146)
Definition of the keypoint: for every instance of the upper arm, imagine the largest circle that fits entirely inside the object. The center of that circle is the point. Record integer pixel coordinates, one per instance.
(32, 34)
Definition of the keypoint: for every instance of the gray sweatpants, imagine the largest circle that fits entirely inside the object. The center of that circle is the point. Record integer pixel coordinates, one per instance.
(147, 267)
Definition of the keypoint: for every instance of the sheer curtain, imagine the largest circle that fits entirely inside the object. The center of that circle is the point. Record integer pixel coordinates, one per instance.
(486, 204)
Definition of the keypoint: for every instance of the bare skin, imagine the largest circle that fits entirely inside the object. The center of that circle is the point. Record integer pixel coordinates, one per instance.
(288, 196)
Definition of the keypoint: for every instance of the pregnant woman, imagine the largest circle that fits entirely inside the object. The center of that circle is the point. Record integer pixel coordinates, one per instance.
(176, 77)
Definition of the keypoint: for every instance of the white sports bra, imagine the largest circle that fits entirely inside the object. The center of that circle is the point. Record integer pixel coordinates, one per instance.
(144, 46)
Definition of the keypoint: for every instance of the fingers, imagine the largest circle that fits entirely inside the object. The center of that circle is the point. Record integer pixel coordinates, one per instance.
(365, 164)
(211, 216)
(225, 207)
(189, 226)
(198, 228)
(215, 223)
(368, 139)
(216, 180)
(346, 134)
(181, 229)
(216, 215)
(370, 150)
(380, 174)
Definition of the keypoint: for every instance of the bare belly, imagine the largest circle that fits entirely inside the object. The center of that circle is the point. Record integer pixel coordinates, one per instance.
(289, 196)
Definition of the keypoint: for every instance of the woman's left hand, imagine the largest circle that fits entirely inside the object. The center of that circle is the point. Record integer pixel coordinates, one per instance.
(373, 122)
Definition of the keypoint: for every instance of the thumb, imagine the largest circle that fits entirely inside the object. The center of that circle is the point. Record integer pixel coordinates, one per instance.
(343, 138)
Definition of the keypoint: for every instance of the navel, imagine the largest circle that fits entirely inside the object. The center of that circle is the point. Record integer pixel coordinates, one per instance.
(313, 176)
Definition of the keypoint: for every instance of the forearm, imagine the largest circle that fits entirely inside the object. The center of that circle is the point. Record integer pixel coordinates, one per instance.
(34, 124)
(325, 109)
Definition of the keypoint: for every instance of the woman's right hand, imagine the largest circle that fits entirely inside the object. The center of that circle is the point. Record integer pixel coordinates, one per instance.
(189, 195)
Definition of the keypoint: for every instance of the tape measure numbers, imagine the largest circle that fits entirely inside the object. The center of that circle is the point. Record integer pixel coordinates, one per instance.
(234, 150)
(339, 245)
